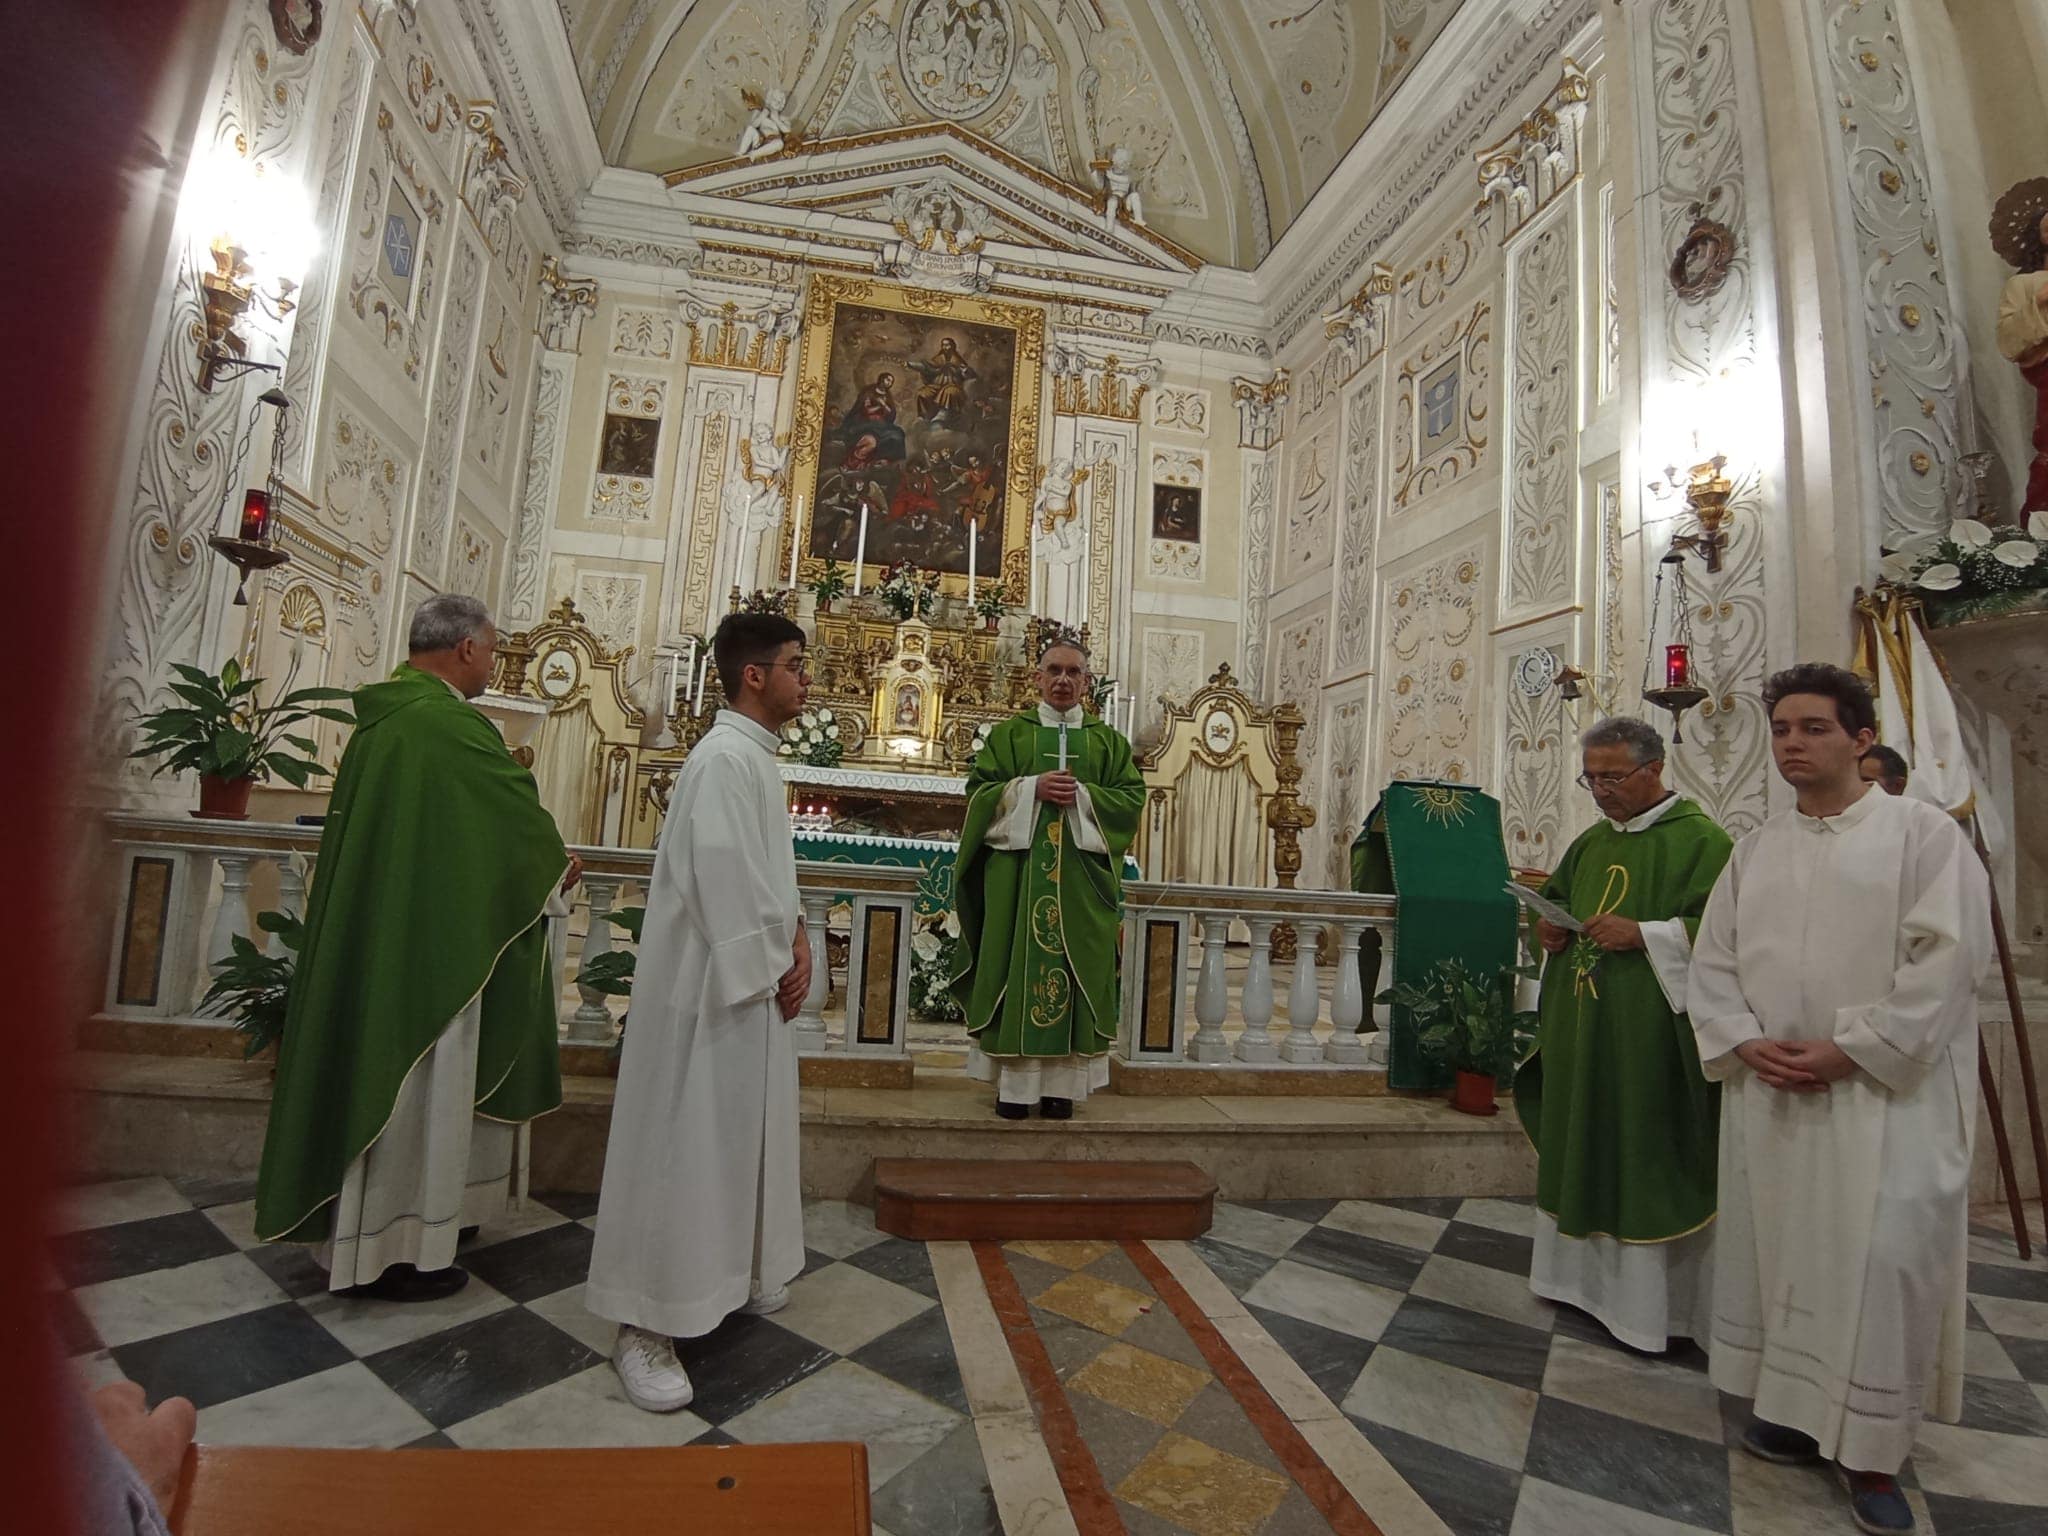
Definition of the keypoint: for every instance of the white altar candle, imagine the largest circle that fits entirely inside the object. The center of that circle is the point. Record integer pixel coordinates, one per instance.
(697, 693)
(796, 533)
(973, 539)
(860, 550)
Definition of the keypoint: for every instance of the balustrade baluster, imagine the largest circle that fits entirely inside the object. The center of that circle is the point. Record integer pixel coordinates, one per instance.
(1303, 1005)
(1256, 1044)
(291, 894)
(810, 1022)
(591, 1024)
(1347, 1000)
(230, 919)
(1211, 998)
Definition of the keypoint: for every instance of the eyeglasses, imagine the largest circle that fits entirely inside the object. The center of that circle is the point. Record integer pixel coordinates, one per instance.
(1608, 780)
(800, 666)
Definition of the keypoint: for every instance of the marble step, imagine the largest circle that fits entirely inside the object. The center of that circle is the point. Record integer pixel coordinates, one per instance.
(999, 1200)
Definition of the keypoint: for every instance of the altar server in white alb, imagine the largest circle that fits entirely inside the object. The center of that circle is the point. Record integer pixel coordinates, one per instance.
(1833, 990)
(701, 1213)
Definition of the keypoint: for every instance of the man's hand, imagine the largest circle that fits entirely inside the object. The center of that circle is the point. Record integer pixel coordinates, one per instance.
(1820, 1059)
(575, 873)
(154, 1442)
(1555, 940)
(1611, 931)
(795, 985)
(1775, 1066)
(1058, 788)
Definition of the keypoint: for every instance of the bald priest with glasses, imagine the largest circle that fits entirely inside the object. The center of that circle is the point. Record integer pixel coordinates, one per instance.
(1624, 1122)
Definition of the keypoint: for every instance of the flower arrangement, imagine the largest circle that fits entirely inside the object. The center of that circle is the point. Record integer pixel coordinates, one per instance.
(1976, 569)
(830, 585)
(992, 601)
(934, 951)
(909, 592)
(764, 602)
(813, 738)
(1101, 693)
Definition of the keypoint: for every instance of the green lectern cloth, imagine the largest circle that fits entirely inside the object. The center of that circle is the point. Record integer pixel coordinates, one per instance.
(1438, 847)
(436, 862)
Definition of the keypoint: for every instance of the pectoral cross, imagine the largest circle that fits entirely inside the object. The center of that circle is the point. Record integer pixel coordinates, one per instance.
(1063, 746)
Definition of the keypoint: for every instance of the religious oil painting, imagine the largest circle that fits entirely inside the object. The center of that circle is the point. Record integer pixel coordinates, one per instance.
(628, 446)
(1177, 513)
(1439, 404)
(921, 408)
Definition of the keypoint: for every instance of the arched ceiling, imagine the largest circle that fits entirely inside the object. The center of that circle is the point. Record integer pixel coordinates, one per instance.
(1234, 110)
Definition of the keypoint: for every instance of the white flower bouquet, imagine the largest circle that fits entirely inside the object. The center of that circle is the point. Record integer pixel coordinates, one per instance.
(813, 738)
(1975, 569)
(909, 592)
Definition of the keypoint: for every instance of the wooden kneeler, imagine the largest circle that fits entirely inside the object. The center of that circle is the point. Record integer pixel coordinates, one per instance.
(710, 1490)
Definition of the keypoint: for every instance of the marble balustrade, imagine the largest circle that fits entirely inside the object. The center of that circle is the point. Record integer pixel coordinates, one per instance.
(186, 888)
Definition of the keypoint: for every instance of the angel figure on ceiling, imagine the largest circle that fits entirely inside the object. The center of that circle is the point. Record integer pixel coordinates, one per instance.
(1119, 187)
(768, 129)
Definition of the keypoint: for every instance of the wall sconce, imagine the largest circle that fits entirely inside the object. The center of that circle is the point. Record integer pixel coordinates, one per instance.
(1706, 490)
(1677, 692)
(258, 237)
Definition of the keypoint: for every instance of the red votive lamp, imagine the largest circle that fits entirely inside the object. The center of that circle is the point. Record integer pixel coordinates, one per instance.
(1677, 667)
(255, 515)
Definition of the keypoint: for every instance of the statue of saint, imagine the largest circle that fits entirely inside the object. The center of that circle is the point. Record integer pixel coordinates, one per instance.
(2019, 233)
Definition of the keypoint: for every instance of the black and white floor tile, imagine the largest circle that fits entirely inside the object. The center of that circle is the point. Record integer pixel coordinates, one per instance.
(1509, 1416)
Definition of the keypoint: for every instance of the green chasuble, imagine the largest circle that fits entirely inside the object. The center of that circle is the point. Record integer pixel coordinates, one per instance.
(436, 862)
(1039, 927)
(1624, 1124)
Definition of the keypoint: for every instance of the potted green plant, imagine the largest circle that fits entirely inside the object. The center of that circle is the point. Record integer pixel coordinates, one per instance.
(830, 585)
(908, 592)
(992, 601)
(612, 972)
(1470, 1022)
(252, 987)
(225, 734)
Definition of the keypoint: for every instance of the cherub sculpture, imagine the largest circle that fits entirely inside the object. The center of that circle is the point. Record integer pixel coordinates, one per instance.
(1120, 188)
(768, 127)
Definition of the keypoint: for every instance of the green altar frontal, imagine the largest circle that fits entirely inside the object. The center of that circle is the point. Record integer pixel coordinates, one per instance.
(1438, 847)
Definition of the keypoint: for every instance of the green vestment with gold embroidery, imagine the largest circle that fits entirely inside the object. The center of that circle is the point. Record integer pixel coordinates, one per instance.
(1625, 1126)
(1039, 926)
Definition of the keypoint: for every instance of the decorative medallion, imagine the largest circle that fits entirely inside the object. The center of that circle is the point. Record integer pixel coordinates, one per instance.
(560, 670)
(1700, 265)
(1536, 671)
(1219, 731)
(956, 55)
(297, 23)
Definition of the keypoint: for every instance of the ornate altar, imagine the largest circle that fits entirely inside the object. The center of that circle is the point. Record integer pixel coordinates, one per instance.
(1221, 776)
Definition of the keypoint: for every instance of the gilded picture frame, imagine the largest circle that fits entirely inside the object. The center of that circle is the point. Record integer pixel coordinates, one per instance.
(951, 384)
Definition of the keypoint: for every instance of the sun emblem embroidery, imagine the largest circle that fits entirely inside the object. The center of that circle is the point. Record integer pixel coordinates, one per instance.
(1445, 807)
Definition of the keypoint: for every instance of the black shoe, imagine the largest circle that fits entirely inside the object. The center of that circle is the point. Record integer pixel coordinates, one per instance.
(467, 1235)
(1055, 1109)
(1776, 1442)
(1013, 1111)
(402, 1282)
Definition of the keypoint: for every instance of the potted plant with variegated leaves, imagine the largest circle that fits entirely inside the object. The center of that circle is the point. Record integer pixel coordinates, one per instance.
(1469, 1023)
(830, 585)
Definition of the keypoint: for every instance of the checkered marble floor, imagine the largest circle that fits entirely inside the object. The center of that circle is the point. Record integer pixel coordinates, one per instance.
(168, 1287)
(1509, 1417)
(1513, 1417)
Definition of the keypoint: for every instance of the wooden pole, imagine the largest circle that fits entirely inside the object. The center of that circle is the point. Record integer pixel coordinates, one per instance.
(2018, 1212)
(2022, 1046)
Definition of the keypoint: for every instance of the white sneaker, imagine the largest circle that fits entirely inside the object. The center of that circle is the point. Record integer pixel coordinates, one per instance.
(761, 1303)
(649, 1371)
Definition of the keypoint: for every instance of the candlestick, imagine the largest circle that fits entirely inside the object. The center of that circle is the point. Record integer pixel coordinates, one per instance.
(1677, 667)
(973, 539)
(796, 534)
(860, 550)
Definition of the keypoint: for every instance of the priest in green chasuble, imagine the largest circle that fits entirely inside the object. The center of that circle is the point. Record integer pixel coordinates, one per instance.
(420, 1030)
(1623, 1120)
(1052, 806)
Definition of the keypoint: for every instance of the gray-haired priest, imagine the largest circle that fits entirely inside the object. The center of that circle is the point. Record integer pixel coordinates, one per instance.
(1052, 804)
(1623, 1119)
(421, 1027)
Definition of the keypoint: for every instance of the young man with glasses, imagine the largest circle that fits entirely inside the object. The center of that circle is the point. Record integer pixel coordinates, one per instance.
(701, 1212)
(1623, 1121)
(1834, 994)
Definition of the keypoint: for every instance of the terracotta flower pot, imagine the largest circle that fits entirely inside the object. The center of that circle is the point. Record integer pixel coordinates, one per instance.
(1472, 1094)
(991, 622)
(224, 799)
